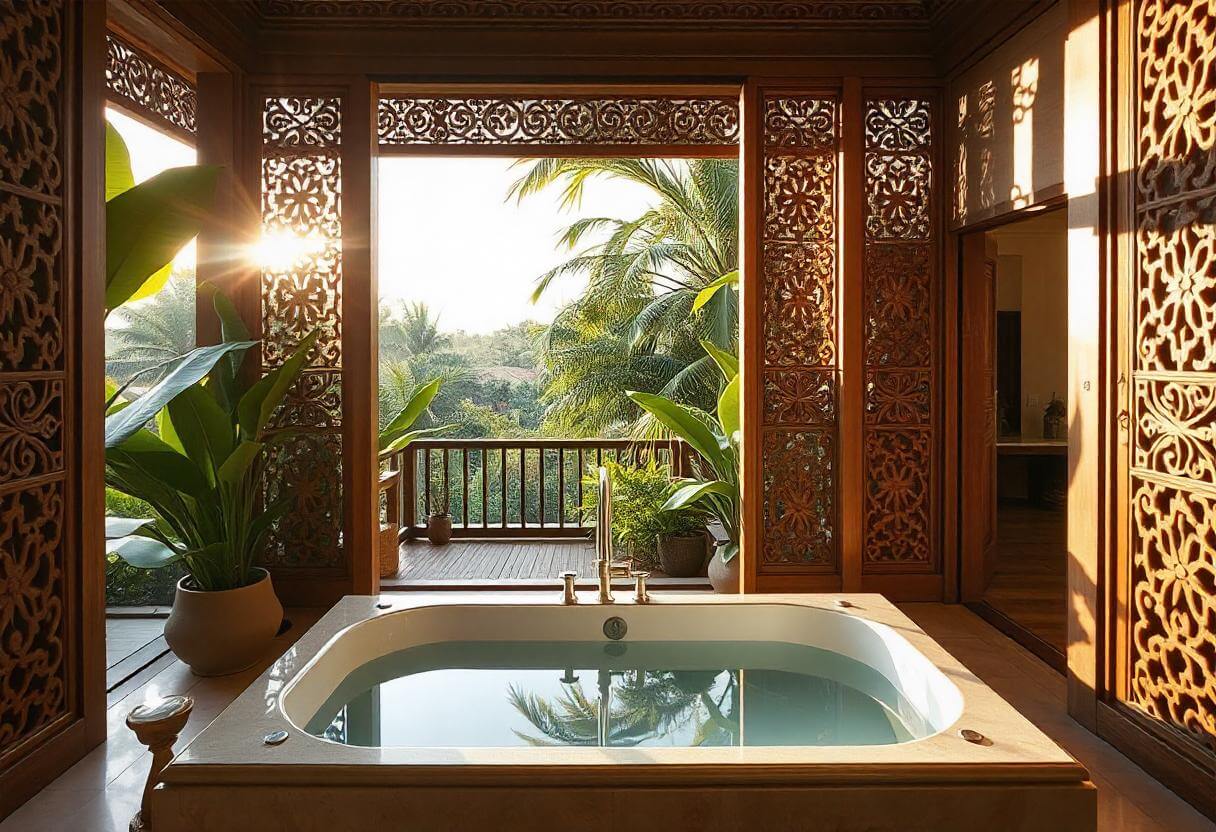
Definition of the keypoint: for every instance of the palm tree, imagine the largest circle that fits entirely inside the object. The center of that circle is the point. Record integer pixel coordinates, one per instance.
(634, 327)
(411, 330)
(153, 332)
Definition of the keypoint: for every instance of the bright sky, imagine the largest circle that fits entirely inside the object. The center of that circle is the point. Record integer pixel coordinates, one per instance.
(151, 152)
(448, 237)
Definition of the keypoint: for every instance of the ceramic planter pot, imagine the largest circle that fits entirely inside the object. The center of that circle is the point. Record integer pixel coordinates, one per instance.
(439, 529)
(681, 555)
(217, 633)
(724, 577)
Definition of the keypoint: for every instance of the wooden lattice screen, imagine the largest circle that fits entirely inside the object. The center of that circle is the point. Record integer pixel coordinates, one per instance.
(1172, 604)
(51, 601)
(901, 341)
(799, 276)
(301, 185)
(849, 347)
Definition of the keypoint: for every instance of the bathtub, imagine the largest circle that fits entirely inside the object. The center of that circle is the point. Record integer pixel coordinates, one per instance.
(961, 758)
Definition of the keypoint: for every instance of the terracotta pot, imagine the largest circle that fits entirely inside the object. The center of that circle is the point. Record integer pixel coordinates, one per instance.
(217, 633)
(681, 555)
(724, 577)
(439, 529)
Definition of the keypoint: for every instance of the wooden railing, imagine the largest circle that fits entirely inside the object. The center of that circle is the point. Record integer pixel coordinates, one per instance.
(507, 487)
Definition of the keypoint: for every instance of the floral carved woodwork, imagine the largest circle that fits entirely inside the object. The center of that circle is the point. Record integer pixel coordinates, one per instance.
(1172, 545)
(33, 683)
(31, 428)
(35, 277)
(799, 499)
(302, 202)
(900, 347)
(617, 120)
(138, 82)
(1173, 579)
(799, 274)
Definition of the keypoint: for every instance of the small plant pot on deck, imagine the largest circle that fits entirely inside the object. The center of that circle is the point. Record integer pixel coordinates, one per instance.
(681, 555)
(439, 529)
(218, 633)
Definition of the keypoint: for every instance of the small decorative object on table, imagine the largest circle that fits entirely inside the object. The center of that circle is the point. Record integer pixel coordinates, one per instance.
(1053, 417)
(439, 516)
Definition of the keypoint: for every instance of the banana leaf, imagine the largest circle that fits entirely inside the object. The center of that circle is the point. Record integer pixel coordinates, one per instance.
(148, 224)
(187, 370)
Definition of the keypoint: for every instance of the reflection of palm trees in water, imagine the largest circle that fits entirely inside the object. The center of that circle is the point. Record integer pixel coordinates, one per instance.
(643, 705)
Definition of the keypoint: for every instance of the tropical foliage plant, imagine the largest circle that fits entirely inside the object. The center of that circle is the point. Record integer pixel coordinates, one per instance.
(638, 326)
(149, 223)
(716, 440)
(202, 469)
(639, 512)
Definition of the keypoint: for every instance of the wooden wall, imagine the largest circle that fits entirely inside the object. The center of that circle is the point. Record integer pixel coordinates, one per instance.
(1006, 123)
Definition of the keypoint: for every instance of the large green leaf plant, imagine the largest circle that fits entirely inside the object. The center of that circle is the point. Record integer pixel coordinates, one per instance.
(716, 438)
(203, 467)
(149, 223)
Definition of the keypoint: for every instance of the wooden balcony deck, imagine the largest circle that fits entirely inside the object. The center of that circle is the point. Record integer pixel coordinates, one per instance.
(518, 564)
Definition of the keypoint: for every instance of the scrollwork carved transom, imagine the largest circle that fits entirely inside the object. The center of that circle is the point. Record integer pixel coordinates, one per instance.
(146, 86)
(665, 121)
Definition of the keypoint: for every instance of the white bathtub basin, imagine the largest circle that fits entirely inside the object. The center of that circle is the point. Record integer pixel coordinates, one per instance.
(965, 750)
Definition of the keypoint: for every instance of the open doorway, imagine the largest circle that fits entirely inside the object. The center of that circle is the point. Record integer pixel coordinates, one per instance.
(1015, 445)
(522, 299)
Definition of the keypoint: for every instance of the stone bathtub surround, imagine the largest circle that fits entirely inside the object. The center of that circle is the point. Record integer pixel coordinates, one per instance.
(1016, 779)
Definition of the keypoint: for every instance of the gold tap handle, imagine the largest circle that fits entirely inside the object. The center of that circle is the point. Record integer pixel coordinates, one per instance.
(568, 594)
(640, 594)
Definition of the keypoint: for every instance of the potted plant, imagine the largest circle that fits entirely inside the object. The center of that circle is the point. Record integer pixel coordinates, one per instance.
(681, 541)
(439, 515)
(202, 473)
(715, 487)
(396, 435)
(640, 523)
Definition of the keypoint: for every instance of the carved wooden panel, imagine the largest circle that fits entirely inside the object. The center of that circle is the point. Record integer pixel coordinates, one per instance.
(35, 675)
(901, 347)
(799, 266)
(1172, 604)
(457, 120)
(302, 203)
(139, 82)
(616, 12)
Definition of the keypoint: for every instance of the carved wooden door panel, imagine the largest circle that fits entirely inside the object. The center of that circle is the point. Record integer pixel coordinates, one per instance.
(1169, 638)
(52, 675)
(979, 418)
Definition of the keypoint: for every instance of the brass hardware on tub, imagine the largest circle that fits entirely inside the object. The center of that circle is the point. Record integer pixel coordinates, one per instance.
(568, 594)
(640, 594)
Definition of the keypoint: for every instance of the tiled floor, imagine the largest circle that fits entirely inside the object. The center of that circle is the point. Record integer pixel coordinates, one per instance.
(102, 792)
(1128, 799)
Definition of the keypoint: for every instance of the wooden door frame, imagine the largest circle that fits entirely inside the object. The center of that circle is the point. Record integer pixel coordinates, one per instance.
(971, 245)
